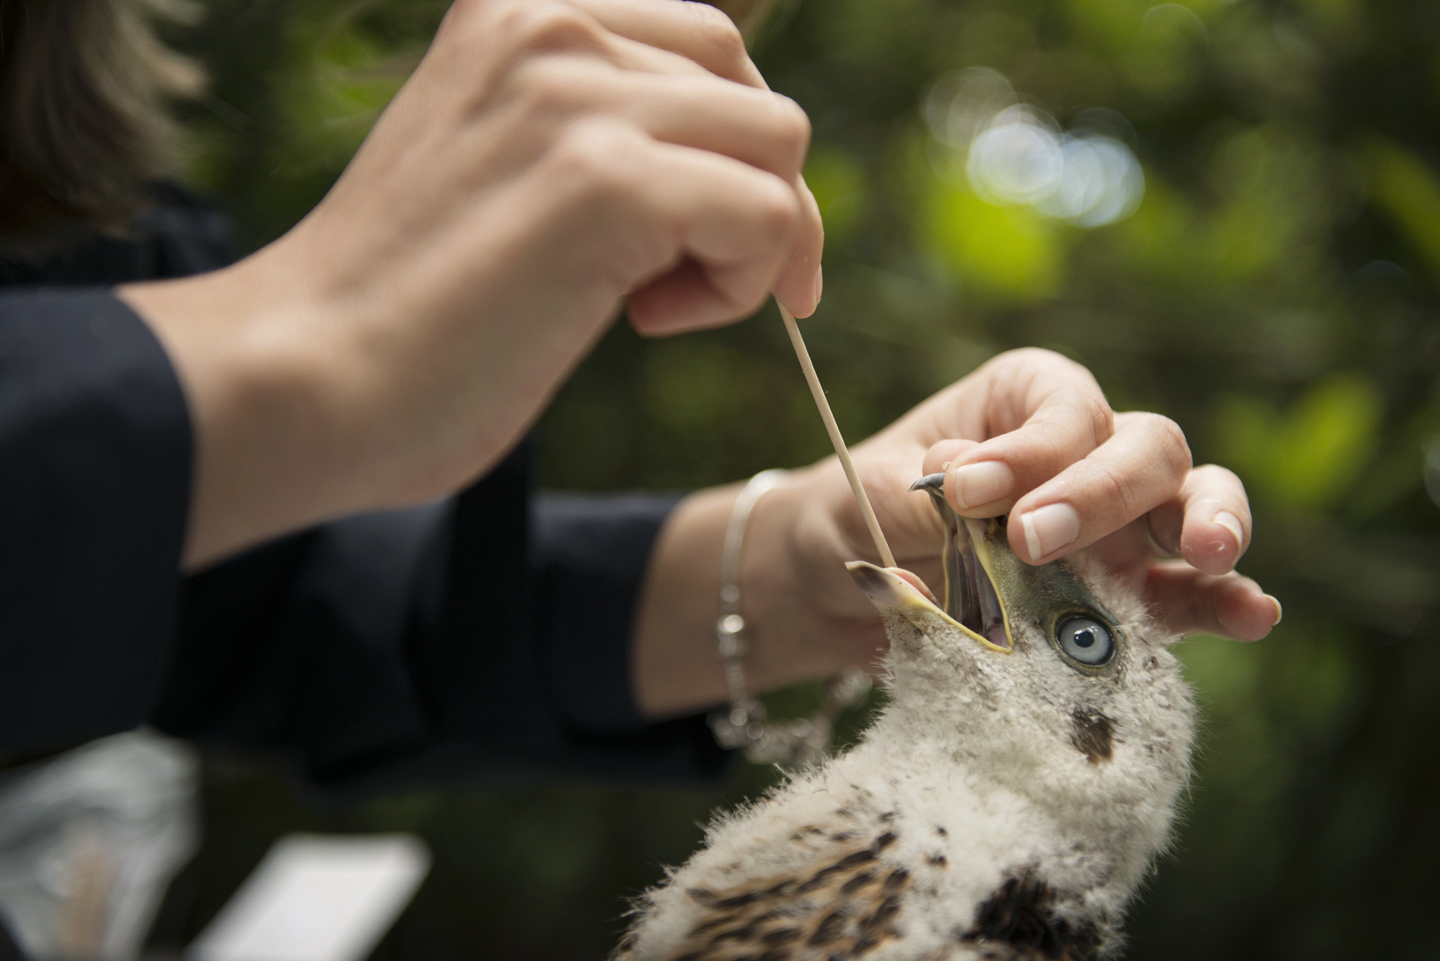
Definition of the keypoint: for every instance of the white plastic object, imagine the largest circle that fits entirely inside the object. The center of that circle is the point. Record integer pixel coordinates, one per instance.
(317, 898)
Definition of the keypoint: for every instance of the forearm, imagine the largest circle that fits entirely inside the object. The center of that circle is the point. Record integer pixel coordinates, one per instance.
(524, 181)
(266, 458)
(791, 638)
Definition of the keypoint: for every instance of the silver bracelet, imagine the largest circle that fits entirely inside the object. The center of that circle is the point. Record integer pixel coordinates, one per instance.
(794, 743)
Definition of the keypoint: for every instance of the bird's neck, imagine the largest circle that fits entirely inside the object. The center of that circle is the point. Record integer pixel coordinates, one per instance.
(1012, 808)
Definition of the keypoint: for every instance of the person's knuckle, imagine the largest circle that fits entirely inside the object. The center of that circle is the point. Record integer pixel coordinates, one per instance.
(1219, 476)
(548, 26)
(1100, 415)
(1043, 358)
(777, 208)
(1093, 420)
(547, 86)
(1037, 355)
(1049, 449)
(1016, 358)
(465, 14)
(792, 127)
(791, 120)
(1170, 441)
(719, 33)
(596, 158)
(1117, 489)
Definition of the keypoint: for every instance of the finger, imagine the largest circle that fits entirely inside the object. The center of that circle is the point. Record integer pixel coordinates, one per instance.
(1048, 413)
(1187, 601)
(766, 130)
(712, 233)
(632, 55)
(800, 282)
(1141, 467)
(1217, 519)
(696, 31)
(761, 128)
(940, 456)
(1208, 522)
(639, 47)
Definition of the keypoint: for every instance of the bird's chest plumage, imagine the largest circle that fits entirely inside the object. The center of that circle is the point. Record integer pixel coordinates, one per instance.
(870, 858)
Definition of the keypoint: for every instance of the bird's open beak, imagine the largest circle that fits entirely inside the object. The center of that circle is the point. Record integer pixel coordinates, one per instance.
(973, 604)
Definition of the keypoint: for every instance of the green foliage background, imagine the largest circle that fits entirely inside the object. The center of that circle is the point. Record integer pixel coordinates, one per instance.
(1275, 292)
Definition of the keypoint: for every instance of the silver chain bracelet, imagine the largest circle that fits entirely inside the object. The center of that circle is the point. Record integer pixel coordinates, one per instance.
(796, 743)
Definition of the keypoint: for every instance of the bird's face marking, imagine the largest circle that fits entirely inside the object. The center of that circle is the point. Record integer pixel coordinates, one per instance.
(1094, 735)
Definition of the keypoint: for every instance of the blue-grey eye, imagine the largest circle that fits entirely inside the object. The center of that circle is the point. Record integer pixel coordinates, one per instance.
(1086, 640)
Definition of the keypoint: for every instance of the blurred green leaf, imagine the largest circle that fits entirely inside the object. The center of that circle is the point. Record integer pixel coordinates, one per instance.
(1306, 456)
(1409, 191)
(837, 179)
(1010, 253)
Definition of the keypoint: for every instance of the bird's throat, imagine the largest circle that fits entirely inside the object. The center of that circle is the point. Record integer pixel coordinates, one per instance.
(970, 594)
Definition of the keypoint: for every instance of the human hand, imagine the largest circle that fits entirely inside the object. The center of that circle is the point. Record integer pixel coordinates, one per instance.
(1030, 435)
(546, 161)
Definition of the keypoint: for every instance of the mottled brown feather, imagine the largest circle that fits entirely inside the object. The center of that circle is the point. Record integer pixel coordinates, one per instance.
(842, 906)
(1018, 922)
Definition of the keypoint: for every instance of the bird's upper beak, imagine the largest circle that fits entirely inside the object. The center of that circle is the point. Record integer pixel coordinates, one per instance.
(974, 601)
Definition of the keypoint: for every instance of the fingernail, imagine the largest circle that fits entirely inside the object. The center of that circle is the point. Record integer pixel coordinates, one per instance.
(1231, 523)
(819, 283)
(1049, 528)
(982, 483)
(1279, 611)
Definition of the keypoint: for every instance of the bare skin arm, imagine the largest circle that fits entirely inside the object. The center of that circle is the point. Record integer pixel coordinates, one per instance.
(547, 161)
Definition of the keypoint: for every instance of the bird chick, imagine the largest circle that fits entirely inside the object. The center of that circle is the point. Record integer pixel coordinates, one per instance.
(1005, 804)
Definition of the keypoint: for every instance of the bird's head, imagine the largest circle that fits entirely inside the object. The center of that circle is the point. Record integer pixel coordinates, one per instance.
(1052, 681)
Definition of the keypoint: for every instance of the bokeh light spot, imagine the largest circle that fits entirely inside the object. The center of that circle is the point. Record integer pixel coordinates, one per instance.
(1017, 155)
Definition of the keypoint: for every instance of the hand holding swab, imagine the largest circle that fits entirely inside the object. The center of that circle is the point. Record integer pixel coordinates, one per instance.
(834, 430)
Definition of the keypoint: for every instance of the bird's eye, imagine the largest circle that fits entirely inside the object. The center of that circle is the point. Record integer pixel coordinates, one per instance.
(1086, 640)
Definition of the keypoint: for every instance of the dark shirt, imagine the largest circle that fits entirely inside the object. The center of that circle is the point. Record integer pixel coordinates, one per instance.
(481, 637)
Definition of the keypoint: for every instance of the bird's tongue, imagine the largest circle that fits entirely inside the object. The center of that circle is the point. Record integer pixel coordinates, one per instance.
(973, 599)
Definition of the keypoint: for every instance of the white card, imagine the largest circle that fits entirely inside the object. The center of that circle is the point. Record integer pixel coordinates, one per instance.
(317, 898)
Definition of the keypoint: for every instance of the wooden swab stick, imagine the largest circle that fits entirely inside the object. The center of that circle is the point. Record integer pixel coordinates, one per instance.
(841, 450)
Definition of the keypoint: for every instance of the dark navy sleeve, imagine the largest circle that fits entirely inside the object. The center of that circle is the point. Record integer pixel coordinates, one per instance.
(590, 554)
(95, 464)
(481, 639)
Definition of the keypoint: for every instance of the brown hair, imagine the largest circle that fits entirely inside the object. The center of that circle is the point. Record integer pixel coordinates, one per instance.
(83, 92)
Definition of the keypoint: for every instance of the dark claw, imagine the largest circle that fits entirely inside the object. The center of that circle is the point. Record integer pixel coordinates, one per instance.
(930, 482)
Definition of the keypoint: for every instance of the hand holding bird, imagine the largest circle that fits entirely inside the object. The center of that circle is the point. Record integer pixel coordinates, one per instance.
(1032, 418)
(1030, 435)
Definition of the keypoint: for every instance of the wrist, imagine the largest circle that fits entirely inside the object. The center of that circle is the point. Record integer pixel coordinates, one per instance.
(790, 636)
(268, 456)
